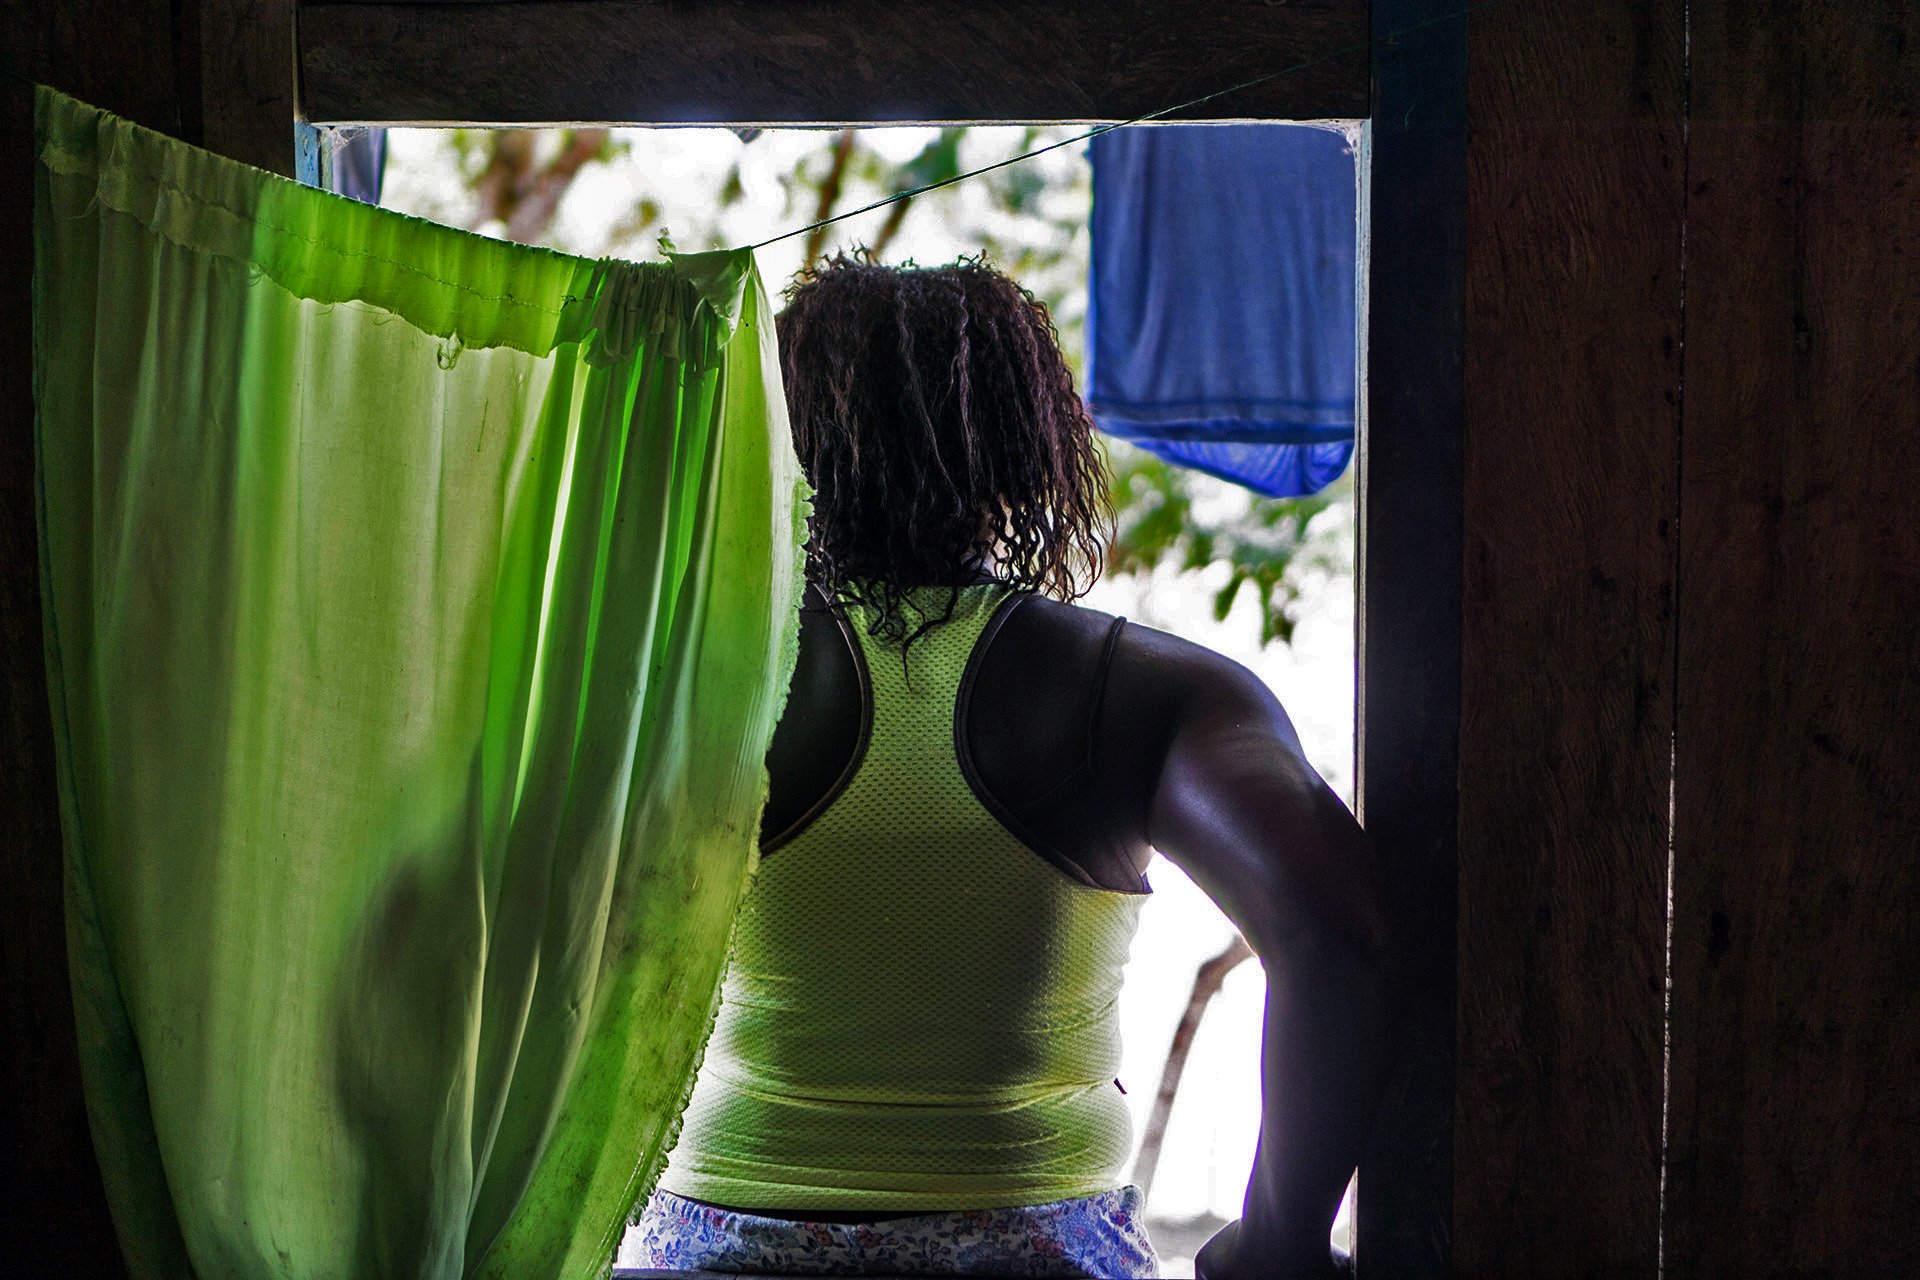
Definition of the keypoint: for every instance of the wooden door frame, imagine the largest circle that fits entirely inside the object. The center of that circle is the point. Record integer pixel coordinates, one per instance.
(1405, 72)
(373, 64)
(260, 64)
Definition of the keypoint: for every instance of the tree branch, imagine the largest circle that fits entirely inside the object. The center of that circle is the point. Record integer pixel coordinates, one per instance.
(540, 200)
(1206, 985)
(829, 194)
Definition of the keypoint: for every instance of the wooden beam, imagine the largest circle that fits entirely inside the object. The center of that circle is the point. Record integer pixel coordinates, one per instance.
(1796, 940)
(245, 81)
(1575, 189)
(1409, 618)
(789, 62)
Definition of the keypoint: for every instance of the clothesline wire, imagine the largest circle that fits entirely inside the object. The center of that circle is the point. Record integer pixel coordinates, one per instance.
(1096, 131)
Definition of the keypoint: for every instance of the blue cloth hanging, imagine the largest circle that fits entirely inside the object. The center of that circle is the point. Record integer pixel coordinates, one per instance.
(1222, 299)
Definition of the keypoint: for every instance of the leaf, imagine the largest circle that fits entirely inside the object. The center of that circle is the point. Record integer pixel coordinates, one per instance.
(1223, 598)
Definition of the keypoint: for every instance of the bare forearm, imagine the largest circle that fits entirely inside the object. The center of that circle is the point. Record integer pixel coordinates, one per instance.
(1240, 808)
(1325, 1056)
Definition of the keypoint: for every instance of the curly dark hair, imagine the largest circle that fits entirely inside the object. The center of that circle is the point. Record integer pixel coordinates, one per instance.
(937, 420)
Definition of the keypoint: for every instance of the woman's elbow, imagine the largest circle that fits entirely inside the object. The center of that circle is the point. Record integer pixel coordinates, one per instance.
(1325, 895)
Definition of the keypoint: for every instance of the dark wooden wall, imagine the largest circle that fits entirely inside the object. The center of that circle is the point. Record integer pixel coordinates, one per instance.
(1573, 336)
(1691, 643)
(1689, 658)
(55, 1214)
(784, 62)
(1795, 1101)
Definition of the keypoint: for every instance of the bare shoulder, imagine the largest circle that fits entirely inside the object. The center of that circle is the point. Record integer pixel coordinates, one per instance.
(1157, 658)
(1153, 687)
(1055, 628)
(1194, 666)
(1177, 682)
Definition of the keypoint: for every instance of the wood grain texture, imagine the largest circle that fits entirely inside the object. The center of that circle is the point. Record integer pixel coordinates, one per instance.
(245, 81)
(1573, 310)
(799, 62)
(1796, 1011)
(1409, 617)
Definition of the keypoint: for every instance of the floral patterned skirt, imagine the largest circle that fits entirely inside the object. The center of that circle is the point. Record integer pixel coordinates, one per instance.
(1097, 1235)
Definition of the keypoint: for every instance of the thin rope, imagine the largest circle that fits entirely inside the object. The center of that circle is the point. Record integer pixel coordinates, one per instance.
(1095, 132)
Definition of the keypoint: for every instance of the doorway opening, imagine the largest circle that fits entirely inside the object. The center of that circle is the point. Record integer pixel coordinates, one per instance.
(1269, 582)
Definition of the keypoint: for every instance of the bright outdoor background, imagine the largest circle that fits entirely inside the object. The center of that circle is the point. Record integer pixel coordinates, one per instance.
(1268, 582)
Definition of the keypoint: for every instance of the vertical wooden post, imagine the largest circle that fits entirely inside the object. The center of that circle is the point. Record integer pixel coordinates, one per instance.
(1796, 939)
(1409, 615)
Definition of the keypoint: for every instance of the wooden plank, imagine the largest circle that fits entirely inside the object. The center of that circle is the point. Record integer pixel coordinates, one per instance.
(245, 81)
(1574, 199)
(1409, 616)
(778, 62)
(1796, 1006)
(118, 55)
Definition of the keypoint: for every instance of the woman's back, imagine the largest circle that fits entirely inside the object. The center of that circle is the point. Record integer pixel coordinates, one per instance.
(956, 841)
(921, 1007)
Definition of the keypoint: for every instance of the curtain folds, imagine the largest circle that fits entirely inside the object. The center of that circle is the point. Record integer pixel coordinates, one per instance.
(419, 608)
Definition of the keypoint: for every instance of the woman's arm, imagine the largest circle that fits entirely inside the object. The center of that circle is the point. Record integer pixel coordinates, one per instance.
(1237, 806)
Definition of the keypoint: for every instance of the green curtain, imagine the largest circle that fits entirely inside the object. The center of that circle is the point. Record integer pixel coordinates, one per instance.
(418, 611)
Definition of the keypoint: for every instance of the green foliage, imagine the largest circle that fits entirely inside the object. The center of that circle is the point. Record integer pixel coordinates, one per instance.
(938, 161)
(1170, 516)
(1034, 228)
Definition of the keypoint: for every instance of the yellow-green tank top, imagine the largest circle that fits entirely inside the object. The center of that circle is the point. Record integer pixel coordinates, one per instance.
(919, 1011)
